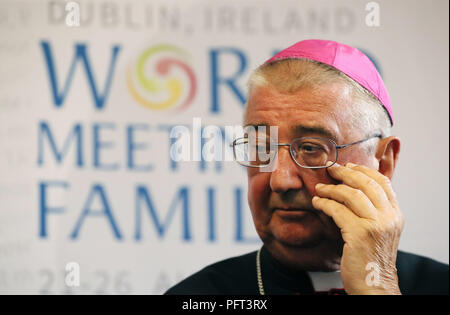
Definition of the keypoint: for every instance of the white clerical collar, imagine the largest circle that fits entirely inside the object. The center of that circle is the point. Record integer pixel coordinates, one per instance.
(324, 281)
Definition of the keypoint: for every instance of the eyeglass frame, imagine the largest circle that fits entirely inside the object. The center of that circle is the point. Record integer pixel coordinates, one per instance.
(337, 146)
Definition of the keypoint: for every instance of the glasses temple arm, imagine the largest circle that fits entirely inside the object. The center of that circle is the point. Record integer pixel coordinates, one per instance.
(353, 143)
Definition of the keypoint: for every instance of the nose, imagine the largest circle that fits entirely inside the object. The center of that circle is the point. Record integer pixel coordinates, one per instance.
(286, 175)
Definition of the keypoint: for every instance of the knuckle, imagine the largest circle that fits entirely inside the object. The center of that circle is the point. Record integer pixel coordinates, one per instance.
(367, 181)
(372, 184)
(356, 193)
(382, 231)
(391, 226)
(385, 179)
(342, 188)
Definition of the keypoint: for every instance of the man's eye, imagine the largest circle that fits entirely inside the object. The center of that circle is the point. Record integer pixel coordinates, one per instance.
(307, 148)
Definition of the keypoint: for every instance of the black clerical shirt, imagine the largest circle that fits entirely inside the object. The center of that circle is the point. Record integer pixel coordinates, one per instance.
(238, 276)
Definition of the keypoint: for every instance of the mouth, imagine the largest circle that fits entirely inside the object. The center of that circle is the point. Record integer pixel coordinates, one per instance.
(292, 213)
(289, 209)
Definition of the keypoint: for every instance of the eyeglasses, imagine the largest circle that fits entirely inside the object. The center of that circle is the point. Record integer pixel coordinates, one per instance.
(307, 152)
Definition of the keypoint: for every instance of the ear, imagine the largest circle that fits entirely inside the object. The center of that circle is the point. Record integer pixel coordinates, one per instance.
(387, 154)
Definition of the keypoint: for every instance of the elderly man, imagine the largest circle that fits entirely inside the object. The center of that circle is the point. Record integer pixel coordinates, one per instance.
(323, 205)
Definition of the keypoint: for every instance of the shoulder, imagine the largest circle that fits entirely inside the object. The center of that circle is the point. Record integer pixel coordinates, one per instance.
(421, 275)
(236, 275)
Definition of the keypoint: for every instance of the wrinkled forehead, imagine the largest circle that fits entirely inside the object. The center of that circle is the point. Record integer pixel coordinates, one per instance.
(323, 110)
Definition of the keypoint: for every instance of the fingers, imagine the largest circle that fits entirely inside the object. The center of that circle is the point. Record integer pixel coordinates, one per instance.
(382, 180)
(341, 215)
(362, 181)
(364, 194)
(352, 198)
(394, 215)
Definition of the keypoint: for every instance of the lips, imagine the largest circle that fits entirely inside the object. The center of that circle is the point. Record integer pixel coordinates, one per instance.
(292, 209)
(295, 213)
(292, 214)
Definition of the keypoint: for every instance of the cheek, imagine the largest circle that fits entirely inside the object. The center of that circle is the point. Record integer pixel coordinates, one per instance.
(258, 190)
(311, 178)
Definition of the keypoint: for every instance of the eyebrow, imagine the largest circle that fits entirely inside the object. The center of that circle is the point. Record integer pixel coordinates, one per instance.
(301, 129)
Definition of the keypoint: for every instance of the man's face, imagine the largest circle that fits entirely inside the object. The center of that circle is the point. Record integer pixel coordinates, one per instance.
(300, 236)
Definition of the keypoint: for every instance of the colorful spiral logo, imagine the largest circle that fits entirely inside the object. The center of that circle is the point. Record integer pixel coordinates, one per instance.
(161, 79)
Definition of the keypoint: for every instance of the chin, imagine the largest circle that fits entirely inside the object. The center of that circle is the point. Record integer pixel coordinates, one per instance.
(304, 247)
(298, 237)
(304, 233)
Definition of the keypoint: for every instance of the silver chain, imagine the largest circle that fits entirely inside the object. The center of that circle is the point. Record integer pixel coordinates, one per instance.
(258, 272)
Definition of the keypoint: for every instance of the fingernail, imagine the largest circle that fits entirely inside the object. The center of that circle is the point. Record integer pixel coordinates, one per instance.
(350, 164)
(319, 185)
(315, 198)
(329, 163)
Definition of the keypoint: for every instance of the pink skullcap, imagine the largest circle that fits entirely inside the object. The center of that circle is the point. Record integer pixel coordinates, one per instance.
(344, 58)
